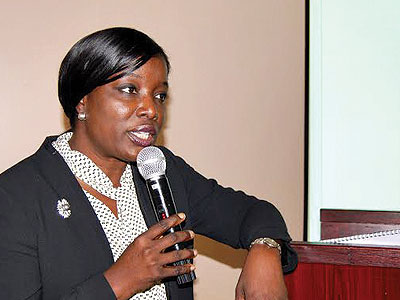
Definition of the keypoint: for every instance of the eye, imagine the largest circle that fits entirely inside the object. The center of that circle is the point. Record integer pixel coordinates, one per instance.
(128, 89)
(161, 97)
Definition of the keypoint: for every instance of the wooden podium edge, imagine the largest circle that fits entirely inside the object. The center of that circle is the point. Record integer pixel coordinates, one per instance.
(346, 254)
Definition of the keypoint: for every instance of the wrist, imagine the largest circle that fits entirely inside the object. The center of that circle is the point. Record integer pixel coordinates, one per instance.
(268, 242)
(116, 283)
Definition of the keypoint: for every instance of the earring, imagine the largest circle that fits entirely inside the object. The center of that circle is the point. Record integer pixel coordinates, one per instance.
(81, 116)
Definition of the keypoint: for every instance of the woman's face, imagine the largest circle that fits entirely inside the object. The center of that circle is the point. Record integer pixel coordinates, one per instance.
(125, 115)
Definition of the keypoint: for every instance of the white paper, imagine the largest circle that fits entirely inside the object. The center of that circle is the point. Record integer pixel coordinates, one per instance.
(387, 237)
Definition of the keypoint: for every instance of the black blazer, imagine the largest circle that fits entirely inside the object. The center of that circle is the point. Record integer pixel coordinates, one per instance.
(44, 256)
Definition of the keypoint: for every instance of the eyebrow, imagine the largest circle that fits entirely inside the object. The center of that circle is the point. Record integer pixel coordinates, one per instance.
(135, 75)
(165, 83)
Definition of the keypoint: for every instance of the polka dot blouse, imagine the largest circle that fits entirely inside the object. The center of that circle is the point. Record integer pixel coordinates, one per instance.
(120, 231)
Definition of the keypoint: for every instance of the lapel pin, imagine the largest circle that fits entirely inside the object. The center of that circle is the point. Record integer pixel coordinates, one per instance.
(63, 208)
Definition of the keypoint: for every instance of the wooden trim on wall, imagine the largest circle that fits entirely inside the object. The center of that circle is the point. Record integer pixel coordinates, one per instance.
(379, 256)
(360, 216)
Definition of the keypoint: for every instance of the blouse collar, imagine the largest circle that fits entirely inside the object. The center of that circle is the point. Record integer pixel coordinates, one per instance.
(87, 171)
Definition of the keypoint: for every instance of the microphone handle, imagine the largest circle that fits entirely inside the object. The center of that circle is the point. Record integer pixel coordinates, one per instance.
(164, 206)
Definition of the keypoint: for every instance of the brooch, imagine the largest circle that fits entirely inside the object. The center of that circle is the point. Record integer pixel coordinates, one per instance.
(63, 208)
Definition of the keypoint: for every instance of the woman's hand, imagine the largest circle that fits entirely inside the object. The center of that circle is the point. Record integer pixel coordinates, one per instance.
(144, 264)
(262, 276)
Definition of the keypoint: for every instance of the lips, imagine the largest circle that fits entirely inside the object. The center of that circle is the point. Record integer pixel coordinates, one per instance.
(143, 135)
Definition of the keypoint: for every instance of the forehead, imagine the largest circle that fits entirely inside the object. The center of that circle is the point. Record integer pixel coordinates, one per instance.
(154, 67)
(153, 72)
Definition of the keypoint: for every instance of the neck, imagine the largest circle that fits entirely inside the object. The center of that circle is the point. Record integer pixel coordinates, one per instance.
(112, 167)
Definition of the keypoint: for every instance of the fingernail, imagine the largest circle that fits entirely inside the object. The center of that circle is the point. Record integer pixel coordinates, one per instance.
(195, 252)
(191, 233)
(182, 216)
(192, 268)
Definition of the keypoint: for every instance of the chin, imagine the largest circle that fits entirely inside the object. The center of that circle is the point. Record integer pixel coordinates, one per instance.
(131, 156)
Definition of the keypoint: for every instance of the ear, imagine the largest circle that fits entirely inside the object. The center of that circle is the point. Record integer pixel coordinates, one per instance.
(80, 107)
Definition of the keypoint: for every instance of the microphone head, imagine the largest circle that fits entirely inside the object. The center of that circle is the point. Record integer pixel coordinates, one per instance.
(151, 162)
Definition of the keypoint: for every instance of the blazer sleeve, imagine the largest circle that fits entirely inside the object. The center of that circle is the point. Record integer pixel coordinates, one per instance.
(95, 287)
(19, 262)
(232, 217)
(20, 276)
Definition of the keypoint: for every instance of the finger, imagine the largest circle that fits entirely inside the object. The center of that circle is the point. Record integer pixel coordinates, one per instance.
(174, 238)
(174, 256)
(161, 227)
(170, 271)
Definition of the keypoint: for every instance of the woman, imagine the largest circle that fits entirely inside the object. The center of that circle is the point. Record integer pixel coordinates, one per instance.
(76, 221)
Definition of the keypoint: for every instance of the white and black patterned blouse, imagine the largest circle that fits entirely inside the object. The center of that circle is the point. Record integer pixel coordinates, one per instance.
(130, 223)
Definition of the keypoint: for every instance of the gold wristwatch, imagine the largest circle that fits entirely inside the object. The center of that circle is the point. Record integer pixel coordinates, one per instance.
(268, 242)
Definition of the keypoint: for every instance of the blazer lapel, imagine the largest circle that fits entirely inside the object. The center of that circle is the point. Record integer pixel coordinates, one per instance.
(55, 171)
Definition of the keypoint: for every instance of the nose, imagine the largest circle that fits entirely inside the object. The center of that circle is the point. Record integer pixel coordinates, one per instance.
(147, 108)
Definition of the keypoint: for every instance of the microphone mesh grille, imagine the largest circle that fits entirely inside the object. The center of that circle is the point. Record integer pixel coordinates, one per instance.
(151, 162)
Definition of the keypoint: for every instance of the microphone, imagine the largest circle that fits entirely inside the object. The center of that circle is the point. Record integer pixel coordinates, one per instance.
(152, 165)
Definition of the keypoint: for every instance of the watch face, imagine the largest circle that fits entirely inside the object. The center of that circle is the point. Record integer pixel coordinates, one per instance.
(268, 242)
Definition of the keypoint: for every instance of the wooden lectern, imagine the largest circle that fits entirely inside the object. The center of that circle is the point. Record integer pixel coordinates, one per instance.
(330, 272)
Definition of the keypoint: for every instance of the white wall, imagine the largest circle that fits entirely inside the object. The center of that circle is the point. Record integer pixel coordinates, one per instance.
(354, 106)
(237, 94)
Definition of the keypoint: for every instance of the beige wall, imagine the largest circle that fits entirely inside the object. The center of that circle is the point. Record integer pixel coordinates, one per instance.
(237, 96)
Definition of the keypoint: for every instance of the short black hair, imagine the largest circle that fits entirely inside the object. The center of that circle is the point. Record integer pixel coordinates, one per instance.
(100, 58)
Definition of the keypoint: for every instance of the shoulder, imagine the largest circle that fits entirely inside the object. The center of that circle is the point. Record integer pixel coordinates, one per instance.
(16, 196)
(173, 159)
(177, 166)
(18, 172)
(167, 152)
(178, 171)
(18, 178)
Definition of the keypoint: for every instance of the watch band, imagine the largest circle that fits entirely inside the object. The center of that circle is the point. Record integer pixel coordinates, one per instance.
(268, 242)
